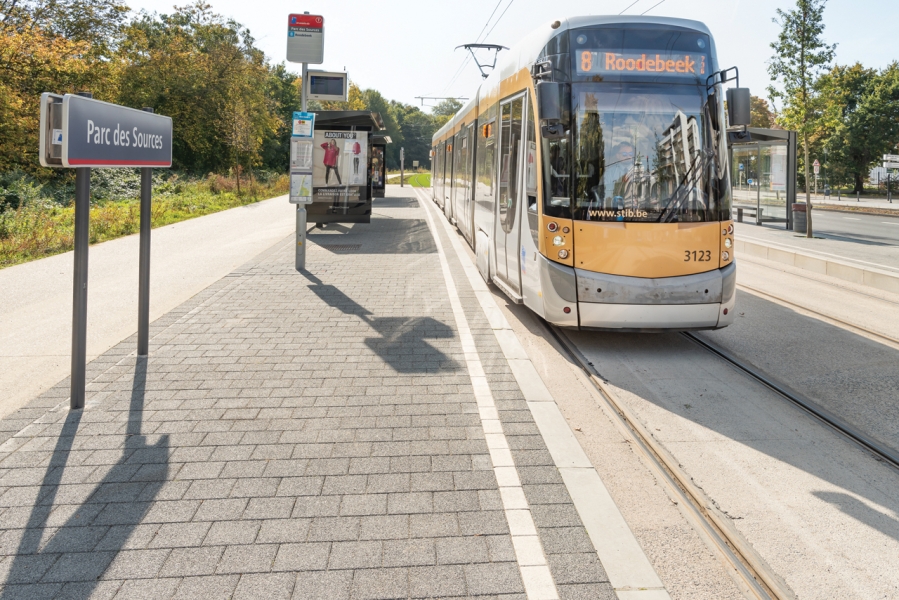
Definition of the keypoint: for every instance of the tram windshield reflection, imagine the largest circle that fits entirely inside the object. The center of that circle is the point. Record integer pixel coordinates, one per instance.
(645, 152)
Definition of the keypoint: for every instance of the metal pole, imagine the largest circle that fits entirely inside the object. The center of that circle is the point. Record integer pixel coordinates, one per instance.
(301, 237)
(79, 287)
(143, 286)
(402, 165)
(300, 250)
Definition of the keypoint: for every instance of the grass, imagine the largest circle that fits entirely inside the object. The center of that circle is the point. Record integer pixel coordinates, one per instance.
(420, 180)
(36, 229)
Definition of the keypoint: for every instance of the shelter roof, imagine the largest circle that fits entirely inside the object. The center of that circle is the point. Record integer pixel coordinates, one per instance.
(367, 120)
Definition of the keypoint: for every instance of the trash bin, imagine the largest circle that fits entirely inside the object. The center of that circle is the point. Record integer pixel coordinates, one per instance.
(800, 218)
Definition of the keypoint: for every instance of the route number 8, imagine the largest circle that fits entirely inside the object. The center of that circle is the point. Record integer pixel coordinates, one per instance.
(586, 60)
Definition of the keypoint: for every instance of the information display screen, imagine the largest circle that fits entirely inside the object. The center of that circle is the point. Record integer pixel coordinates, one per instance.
(326, 85)
(654, 62)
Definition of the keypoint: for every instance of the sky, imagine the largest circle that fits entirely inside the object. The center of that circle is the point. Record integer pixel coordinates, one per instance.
(405, 48)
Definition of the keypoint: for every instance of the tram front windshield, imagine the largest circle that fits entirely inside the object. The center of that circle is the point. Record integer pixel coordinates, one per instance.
(645, 142)
(644, 152)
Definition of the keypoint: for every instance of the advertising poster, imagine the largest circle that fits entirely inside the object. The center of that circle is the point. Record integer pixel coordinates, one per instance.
(778, 168)
(377, 166)
(340, 166)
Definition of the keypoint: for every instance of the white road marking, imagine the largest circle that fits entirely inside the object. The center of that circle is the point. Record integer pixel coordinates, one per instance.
(890, 222)
(851, 219)
(628, 568)
(535, 572)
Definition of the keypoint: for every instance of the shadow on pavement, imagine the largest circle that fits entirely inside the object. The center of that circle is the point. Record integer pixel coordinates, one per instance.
(80, 550)
(402, 343)
(851, 376)
(384, 235)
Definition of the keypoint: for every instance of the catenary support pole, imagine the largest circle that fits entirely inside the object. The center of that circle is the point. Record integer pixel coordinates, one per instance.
(143, 286)
(79, 287)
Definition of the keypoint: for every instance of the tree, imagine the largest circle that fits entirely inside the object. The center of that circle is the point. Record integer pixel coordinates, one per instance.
(800, 55)
(205, 73)
(444, 111)
(762, 116)
(861, 116)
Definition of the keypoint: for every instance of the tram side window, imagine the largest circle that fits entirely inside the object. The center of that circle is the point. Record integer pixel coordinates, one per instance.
(557, 178)
(485, 156)
(531, 174)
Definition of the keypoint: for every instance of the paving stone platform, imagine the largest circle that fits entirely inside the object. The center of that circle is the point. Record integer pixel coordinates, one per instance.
(291, 435)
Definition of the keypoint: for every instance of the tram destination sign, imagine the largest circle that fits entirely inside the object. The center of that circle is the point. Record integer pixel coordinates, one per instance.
(93, 133)
(306, 39)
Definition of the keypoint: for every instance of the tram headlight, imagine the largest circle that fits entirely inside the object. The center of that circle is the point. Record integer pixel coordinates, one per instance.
(725, 255)
(558, 241)
(728, 243)
(563, 253)
(730, 228)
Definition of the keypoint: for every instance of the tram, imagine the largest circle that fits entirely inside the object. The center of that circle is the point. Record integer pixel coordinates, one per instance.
(589, 174)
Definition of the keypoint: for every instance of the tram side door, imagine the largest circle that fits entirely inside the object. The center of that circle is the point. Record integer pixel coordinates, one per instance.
(507, 229)
(465, 218)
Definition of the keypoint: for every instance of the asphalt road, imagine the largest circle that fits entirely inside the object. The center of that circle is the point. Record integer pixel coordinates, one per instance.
(861, 228)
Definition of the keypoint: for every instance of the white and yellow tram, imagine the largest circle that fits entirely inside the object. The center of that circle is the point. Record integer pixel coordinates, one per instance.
(590, 175)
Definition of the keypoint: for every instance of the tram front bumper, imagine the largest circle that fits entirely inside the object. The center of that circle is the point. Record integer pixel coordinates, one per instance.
(700, 301)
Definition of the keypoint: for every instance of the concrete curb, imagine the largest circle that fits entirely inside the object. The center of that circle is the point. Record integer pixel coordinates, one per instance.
(872, 277)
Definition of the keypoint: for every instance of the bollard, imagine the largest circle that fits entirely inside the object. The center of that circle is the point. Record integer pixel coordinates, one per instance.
(739, 215)
(857, 197)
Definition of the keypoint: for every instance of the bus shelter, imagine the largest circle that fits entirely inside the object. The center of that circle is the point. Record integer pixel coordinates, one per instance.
(763, 174)
(341, 166)
(378, 162)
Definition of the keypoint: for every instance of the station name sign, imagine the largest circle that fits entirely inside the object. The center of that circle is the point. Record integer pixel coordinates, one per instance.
(664, 63)
(306, 39)
(93, 133)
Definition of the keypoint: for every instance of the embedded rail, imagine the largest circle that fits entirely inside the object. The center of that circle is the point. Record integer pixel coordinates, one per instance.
(756, 577)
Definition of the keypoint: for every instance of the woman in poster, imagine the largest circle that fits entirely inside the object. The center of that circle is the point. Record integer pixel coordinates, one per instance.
(357, 149)
(330, 161)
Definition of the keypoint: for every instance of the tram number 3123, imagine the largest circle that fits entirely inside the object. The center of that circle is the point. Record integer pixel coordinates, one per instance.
(699, 256)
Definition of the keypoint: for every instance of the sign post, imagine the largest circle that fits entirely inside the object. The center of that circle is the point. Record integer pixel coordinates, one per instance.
(81, 133)
(301, 177)
(305, 44)
(817, 167)
(143, 285)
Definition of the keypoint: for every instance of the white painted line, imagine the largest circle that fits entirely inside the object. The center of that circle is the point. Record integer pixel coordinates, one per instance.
(535, 573)
(625, 563)
(890, 222)
(628, 568)
(851, 219)
(538, 583)
(528, 550)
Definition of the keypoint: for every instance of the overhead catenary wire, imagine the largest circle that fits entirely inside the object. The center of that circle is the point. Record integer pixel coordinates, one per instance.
(468, 56)
(480, 39)
(650, 8)
(629, 6)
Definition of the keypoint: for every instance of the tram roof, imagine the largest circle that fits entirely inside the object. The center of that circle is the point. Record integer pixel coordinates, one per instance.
(525, 52)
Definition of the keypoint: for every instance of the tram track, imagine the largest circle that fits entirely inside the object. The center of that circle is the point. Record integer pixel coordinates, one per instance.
(756, 578)
(881, 451)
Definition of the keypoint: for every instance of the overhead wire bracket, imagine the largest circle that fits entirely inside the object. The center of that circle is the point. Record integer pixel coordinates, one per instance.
(472, 47)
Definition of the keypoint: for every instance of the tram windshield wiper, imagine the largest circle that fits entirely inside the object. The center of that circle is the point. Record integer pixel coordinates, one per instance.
(682, 192)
